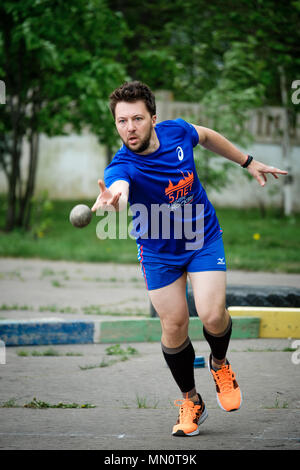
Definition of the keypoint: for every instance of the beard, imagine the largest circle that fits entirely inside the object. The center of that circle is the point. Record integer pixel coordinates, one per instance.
(144, 144)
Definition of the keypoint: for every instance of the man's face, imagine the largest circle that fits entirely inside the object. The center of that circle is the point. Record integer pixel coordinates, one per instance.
(134, 125)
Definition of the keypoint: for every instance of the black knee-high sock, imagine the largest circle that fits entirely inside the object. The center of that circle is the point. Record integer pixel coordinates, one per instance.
(219, 343)
(181, 363)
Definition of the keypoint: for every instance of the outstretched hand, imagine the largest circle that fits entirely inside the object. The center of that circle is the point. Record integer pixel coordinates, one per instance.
(259, 171)
(106, 199)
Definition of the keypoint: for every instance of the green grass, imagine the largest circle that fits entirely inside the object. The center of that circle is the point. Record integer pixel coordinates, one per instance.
(142, 403)
(277, 405)
(39, 404)
(114, 350)
(61, 241)
(87, 310)
(275, 250)
(48, 352)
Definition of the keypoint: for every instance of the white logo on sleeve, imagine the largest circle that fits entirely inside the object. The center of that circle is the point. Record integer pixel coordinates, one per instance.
(180, 153)
(221, 261)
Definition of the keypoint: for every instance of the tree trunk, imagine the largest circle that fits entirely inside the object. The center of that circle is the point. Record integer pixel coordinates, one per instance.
(13, 178)
(26, 199)
(286, 146)
(109, 155)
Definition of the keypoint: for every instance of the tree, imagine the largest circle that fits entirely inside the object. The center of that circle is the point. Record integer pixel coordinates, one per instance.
(226, 108)
(238, 55)
(177, 47)
(271, 29)
(229, 56)
(59, 62)
(151, 58)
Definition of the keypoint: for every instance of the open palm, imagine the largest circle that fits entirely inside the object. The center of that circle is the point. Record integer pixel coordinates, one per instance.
(106, 198)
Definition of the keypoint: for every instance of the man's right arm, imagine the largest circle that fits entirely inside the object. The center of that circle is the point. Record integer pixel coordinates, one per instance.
(114, 198)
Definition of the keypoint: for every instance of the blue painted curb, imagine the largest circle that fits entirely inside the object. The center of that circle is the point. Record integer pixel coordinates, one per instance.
(199, 362)
(60, 331)
(32, 332)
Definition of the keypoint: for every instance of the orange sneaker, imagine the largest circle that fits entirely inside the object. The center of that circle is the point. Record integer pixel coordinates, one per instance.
(229, 395)
(191, 415)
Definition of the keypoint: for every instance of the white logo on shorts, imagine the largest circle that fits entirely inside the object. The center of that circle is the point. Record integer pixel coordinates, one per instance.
(221, 261)
(180, 153)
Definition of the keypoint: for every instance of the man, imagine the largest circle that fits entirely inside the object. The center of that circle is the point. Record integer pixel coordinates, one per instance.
(154, 167)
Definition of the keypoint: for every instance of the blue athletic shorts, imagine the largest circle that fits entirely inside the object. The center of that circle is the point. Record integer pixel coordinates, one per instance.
(161, 269)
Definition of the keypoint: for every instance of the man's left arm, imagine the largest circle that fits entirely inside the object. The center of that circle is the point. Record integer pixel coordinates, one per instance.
(218, 144)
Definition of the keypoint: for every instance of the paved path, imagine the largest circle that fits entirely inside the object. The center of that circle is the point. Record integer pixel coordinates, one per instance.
(269, 378)
(41, 288)
(269, 418)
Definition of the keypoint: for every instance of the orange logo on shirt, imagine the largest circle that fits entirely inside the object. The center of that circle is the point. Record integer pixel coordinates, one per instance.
(181, 189)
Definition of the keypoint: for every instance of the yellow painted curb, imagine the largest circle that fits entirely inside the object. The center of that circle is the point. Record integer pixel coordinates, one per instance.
(275, 322)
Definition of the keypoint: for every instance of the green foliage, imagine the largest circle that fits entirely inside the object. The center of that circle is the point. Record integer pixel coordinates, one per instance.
(59, 61)
(62, 61)
(114, 350)
(117, 350)
(222, 55)
(155, 65)
(40, 404)
(225, 109)
(42, 215)
(48, 352)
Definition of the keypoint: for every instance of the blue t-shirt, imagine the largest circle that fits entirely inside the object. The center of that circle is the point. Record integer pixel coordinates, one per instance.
(165, 192)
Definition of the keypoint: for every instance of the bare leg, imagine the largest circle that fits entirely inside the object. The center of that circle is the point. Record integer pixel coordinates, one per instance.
(209, 289)
(171, 305)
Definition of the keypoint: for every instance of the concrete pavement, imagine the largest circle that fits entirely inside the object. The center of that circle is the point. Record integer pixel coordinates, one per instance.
(133, 398)
(33, 288)
(45, 302)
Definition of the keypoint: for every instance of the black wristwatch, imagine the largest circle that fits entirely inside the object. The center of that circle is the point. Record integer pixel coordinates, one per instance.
(247, 162)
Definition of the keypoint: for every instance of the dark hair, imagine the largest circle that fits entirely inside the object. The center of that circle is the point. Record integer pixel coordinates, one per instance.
(131, 92)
